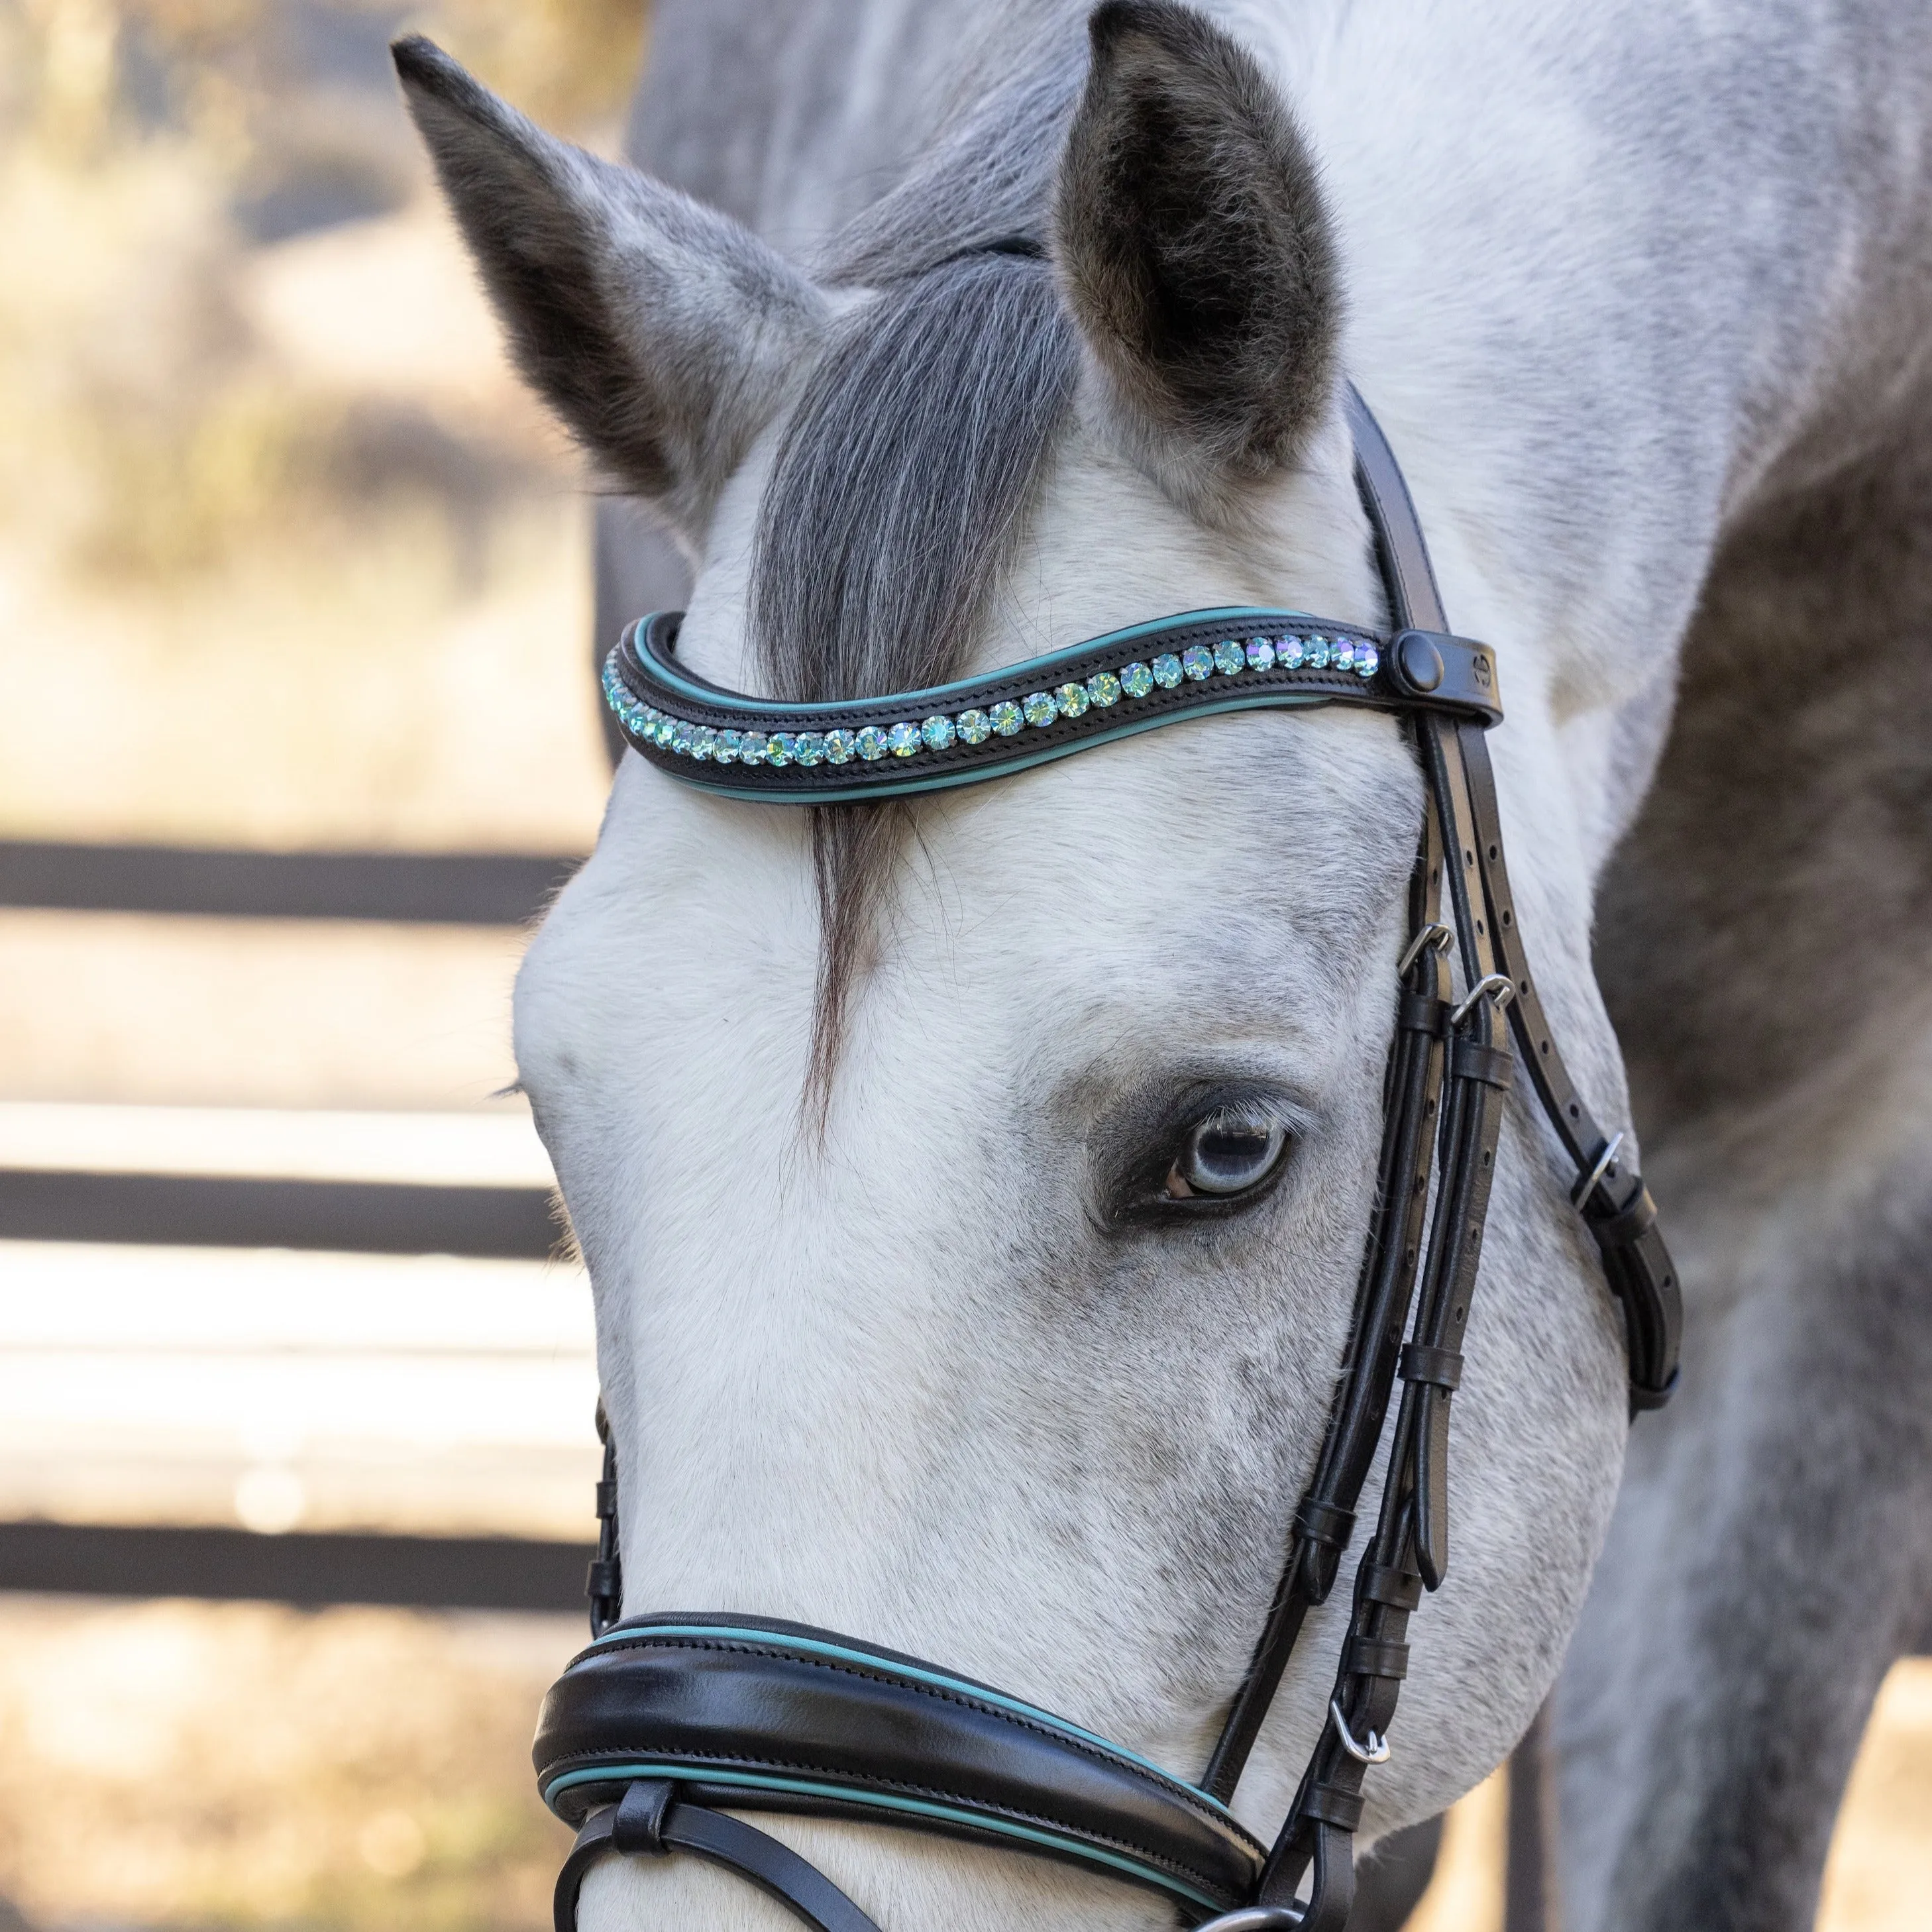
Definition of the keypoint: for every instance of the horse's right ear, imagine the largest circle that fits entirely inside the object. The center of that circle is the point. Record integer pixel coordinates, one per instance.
(1194, 252)
(663, 333)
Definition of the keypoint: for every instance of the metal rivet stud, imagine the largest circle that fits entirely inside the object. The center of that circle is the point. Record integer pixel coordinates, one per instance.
(1422, 666)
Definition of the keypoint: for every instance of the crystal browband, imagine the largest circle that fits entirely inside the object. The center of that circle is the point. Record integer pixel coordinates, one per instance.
(1202, 662)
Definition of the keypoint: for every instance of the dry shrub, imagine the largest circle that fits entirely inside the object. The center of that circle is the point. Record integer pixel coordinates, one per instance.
(146, 433)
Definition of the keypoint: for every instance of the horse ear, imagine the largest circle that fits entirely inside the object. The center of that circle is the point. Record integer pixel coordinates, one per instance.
(1193, 250)
(662, 332)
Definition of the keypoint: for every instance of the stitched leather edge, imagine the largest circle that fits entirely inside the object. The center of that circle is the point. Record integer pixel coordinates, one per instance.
(883, 1674)
(1165, 1861)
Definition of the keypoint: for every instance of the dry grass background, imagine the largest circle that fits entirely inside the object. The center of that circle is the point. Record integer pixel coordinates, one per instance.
(287, 559)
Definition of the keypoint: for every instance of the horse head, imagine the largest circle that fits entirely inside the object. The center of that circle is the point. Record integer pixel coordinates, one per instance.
(974, 1187)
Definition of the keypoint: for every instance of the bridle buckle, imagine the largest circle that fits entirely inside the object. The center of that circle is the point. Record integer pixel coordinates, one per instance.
(1497, 986)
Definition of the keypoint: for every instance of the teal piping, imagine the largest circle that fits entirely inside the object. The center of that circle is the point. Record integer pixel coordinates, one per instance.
(686, 1773)
(839, 1653)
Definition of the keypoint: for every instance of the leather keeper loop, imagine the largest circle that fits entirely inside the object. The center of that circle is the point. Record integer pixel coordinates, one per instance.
(1441, 1367)
(1326, 1805)
(1420, 1013)
(637, 1828)
(606, 1498)
(605, 1578)
(1383, 1583)
(1323, 1522)
(1471, 1060)
(1369, 1657)
(1624, 1229)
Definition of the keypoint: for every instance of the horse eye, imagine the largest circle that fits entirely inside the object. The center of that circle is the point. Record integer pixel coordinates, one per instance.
(1229, 1152)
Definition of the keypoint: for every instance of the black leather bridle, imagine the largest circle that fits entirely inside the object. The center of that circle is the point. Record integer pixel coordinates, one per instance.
(666, 1720)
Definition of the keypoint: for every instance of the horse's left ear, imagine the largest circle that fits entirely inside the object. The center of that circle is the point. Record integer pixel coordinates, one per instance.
(1194, 252)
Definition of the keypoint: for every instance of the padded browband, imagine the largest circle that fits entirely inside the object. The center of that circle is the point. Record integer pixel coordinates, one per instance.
(755, 1715)
(1028, 714)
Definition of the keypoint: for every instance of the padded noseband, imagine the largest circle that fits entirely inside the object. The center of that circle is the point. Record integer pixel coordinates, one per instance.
(762, 1715)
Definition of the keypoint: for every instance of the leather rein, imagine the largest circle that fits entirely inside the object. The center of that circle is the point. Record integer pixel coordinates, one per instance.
(666, 1720)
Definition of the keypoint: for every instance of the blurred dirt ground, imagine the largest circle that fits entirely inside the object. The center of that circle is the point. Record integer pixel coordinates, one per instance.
(288, 560)
(197, 1765)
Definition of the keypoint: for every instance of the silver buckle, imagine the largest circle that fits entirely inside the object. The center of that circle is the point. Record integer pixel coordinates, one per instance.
(1498, 986)
(1375, 1751)
(1587, 1186)
(1434, 938)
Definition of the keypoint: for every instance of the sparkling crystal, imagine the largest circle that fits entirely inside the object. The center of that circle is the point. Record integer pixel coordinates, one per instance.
(975, 726)
(811, 748)
(1167, 670)
(1290, 653)
(1198, 662)
(1072, 700)
(681, 739)
(728, 745)
(839, 746)
(1229, 658)
(938, 732)
(703, 742)
(902, 740)
(1103, 689)
(663, 730)
(781, 749)
(1260, 654)
(1006, 717)
(1136, 679)
(1040, 709)
(1344, 658)
(1368, 659)
(871, 742)
(751, 748)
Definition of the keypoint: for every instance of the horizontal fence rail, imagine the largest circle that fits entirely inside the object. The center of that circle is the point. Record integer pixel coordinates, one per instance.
(223, 1211)
(429, 888)
(308, 1568)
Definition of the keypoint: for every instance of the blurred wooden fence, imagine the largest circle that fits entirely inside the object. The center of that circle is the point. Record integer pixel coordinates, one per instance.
(349, 1216)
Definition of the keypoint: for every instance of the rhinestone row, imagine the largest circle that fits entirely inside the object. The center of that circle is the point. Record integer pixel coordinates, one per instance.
(1006, 719)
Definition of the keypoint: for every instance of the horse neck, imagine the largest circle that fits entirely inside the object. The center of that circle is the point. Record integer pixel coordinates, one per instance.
(1611, 273)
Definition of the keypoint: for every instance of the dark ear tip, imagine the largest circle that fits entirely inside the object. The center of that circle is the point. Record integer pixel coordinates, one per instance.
(1114, 21)
(421, 63)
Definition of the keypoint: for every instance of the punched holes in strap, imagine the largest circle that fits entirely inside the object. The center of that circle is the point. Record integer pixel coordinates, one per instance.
(1442, 1368)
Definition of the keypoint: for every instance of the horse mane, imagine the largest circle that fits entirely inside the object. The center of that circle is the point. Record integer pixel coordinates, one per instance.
(903, 476)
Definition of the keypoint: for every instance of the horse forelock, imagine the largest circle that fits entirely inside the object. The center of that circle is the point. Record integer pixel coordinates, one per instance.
(898, 487)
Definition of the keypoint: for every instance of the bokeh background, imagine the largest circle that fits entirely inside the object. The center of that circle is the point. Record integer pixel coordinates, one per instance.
(289, 564)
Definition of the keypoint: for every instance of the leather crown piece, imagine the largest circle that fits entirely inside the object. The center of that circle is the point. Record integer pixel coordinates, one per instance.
(756, 1715)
